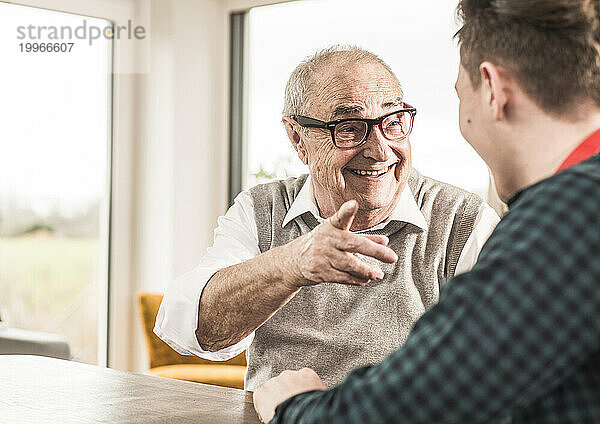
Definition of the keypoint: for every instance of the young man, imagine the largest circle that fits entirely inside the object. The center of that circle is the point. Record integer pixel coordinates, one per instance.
(517, 339)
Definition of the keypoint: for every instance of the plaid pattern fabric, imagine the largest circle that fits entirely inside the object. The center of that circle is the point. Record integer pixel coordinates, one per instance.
(516, 340)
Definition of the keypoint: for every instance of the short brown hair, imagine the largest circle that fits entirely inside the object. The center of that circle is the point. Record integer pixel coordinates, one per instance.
(551, 47)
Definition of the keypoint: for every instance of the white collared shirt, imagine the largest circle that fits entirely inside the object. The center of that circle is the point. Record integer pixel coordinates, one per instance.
(236, 241)
(406, 210)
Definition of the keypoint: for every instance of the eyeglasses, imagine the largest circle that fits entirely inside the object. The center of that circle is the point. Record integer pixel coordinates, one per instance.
(352, 132)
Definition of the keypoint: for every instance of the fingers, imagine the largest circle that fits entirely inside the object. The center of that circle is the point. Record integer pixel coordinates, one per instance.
(325, 254)
(348, 263)
(343, 277)
(368, 245)
(358, 243)
(341, 267)
(383, 240)
(343, 218)
(285, 385)
(313, 377)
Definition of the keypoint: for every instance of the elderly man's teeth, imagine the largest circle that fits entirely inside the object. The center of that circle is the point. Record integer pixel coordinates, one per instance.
(370, 173)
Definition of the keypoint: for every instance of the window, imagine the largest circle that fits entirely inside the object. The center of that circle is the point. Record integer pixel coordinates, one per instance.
(414, 38)
(54, 177)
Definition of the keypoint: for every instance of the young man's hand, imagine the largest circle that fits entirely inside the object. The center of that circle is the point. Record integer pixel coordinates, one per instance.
(282, 387)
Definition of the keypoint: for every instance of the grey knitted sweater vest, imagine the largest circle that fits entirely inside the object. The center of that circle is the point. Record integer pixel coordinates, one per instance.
(335, 328)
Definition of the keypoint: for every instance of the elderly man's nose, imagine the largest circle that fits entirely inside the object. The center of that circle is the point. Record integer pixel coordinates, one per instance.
(376, 145)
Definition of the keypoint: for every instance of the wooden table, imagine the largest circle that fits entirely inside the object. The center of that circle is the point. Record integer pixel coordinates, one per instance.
(35, 389)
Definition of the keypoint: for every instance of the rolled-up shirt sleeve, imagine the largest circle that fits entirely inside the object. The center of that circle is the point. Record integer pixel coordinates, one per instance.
(235, 241)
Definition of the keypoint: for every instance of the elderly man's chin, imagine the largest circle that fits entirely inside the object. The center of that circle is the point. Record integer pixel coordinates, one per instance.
(375, 191)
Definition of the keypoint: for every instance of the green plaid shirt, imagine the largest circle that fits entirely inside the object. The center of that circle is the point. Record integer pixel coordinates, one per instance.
(516, 340)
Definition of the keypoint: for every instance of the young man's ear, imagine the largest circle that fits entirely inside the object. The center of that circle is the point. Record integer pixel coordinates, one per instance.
(293, 131)
(495, 89)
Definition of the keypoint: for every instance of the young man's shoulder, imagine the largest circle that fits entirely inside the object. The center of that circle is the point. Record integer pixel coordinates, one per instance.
(567, 198)
(572, 183)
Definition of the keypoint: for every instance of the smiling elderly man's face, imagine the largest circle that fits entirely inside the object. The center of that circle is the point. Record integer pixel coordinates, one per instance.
(364, 91)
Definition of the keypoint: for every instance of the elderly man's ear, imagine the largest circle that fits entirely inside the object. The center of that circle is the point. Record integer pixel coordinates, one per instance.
(293, 131)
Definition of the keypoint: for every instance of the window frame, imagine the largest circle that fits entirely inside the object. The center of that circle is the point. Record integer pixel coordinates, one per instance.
(116, 305)
(236, 12)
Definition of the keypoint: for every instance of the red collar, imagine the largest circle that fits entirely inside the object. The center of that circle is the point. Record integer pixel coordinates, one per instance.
(588, 148)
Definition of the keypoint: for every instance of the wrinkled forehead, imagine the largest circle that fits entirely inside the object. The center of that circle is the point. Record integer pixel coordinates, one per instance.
(354, 89)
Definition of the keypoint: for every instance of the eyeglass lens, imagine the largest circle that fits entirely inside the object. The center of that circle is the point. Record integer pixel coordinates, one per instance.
(352, 133)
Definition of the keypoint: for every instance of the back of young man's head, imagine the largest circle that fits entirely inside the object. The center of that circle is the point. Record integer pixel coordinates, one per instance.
(551, 47)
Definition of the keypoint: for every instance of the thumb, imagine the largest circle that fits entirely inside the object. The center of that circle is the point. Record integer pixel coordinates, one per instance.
(343, 218)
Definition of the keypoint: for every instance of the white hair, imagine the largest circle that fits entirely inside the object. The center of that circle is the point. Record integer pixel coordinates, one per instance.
(298, 95)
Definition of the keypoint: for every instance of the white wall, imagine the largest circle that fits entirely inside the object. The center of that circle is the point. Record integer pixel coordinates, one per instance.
(182, 155)
(181, 176)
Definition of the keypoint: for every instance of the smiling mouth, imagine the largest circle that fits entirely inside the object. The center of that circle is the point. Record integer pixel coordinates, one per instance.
(373, 173)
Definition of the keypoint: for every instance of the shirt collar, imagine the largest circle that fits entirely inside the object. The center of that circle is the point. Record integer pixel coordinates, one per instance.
(406, 210)
(585, 150)
(588, 148)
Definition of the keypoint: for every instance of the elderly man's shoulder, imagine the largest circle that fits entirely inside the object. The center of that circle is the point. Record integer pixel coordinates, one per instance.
(287, 189)
(434, 195)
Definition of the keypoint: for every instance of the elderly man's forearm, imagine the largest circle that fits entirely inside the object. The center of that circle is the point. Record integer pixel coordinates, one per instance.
(240, 298)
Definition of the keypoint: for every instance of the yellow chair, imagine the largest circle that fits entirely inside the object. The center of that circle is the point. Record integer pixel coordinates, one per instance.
(165, 362)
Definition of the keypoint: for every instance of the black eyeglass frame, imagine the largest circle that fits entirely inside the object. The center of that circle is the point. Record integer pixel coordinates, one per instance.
(307, 122)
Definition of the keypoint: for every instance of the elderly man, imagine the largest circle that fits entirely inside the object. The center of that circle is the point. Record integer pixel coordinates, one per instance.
(297, 280)
(517, 339)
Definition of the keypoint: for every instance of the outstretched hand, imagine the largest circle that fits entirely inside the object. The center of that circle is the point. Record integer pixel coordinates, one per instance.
(326, 253)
